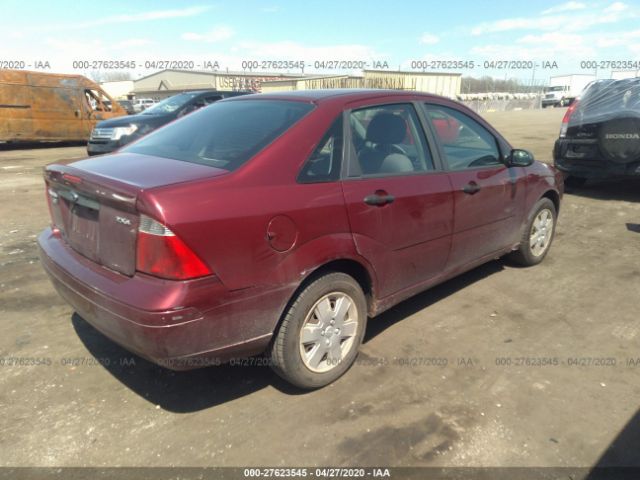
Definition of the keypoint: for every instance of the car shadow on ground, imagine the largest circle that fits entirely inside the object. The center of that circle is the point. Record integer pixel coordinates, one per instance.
(38, 145)
(621, 459)
(379, 324)
(194, 390)
(178, 392)
(627, 190)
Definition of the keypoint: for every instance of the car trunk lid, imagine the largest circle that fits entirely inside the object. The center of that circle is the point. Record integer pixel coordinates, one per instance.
(94, 202)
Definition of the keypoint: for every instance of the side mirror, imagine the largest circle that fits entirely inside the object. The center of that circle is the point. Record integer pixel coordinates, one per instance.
(519, 158)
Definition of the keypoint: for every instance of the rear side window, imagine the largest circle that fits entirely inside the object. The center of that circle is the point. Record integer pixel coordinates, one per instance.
(465, 142)
(224, 135)
(324, 163)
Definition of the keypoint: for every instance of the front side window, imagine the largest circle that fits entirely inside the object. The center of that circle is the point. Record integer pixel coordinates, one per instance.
(465, 142)
(388, 140)
(224, 135)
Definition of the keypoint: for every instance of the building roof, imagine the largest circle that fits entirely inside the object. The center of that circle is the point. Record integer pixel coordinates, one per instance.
(220, 72)
(402, 72)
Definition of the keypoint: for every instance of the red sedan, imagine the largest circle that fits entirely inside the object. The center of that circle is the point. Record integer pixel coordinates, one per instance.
(279, 223)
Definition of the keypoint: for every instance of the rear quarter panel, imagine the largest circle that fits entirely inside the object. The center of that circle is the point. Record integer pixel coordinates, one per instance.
(225, 220)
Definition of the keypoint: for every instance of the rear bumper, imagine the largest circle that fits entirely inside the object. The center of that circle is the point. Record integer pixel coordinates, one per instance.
(179, 325)
(584, 160)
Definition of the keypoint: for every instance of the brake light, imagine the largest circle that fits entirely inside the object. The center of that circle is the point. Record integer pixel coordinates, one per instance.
(565, 120)
(71, 178)
(162, 254)
(52, 196)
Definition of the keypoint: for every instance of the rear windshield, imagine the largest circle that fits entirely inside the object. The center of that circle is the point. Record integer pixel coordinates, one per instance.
(223, 135)
(619, 94)
(608, 99)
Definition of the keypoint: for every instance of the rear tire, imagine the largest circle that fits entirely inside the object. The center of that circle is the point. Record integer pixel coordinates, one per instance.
(319, 336)
(538, 234)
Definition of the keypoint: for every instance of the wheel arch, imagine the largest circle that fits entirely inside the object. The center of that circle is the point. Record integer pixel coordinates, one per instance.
(349, 266)
(360, 272)
(554, 197)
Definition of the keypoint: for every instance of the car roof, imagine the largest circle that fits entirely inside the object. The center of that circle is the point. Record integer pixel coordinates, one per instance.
(345, 94)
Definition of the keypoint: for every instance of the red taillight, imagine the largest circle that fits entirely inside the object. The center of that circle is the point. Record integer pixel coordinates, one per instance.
(71, 178)
(565, 120)
(162, 254)
(52, 196)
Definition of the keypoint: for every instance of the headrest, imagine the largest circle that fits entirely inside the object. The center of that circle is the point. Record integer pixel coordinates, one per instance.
(386, 128)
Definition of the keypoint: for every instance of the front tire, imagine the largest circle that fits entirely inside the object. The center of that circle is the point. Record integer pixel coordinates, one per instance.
(319, 336)
(538, 234)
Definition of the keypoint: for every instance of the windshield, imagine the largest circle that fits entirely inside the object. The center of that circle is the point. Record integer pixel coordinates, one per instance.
(170, 104)
(609, 98)
(223, 135)
(555, 89)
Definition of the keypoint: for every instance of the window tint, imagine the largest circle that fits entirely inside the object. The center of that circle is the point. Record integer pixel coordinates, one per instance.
(324, 163)
(388, 140)
(223, 135)
(465, 142)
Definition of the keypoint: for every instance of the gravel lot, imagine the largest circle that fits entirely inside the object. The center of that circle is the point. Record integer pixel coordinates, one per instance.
(502, 366)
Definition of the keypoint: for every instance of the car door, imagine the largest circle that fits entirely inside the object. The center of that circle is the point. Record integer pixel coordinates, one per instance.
(399, 201)
(488, 196)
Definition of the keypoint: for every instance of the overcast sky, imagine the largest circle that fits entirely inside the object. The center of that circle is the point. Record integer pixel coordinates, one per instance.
(392, 31)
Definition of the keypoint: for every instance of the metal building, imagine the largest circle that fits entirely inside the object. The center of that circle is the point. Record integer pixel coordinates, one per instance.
(165, 83)
(169, 82)
(119, 89)
(622, 74)
(445, 84)
(312, 83)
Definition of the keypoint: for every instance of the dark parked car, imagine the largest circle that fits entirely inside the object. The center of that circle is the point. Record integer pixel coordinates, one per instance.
(112, 134)
(280, 222)
(600, 133)
(127, 105)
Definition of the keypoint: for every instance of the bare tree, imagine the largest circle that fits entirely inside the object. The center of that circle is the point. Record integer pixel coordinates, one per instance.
(100, 76)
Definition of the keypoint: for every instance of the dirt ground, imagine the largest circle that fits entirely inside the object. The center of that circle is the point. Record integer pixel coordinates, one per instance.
(502, 366)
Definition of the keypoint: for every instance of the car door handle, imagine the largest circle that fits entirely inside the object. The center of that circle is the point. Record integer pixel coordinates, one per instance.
(471, 188)
(378, 199)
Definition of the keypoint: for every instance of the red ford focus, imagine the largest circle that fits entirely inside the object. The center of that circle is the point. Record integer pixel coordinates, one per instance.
(279, 223)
